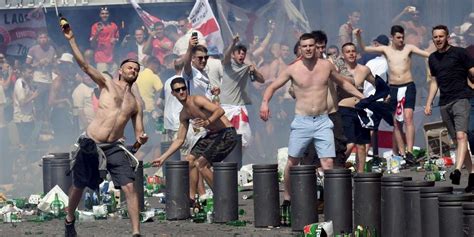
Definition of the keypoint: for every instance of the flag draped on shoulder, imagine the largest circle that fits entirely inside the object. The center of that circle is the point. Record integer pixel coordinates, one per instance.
(202, 19)
(148, 19)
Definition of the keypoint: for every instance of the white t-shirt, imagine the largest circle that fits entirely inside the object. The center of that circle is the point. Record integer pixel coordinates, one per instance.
(21, 92)
(82, 101)
(378, 66)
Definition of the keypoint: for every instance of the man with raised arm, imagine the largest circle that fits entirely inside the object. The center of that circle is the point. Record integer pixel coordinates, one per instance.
(310, 76)
(100, 147)
(219, 141)
(402, 86)
(449, 67)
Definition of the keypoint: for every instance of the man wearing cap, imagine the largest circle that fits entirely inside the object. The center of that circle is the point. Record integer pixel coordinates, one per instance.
(104, 35)
(100, 149)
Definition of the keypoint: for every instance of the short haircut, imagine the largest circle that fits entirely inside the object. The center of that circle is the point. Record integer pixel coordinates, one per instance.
(332, 46)
(441, 27)
(296, 48)
(176, 81)
(239, 47)
(397, 29)
(129, 60)
(170, 58)
(306, 36)
(178, 64)
(320, 36)
(153, 60)
(348, 44)
(41, 32)
(171, 29)
(199, 47)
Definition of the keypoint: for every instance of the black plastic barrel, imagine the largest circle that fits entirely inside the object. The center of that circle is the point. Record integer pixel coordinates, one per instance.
(338, 199)
(226, 201)
(367, 195)
(468, 215)
(55, 169)
(411, 198)
(304, 201)
(139, 186)
(429, 209)
(392, 206)
(266, 195)
(451, 214)
(175, 156)
(177, 190)
(235, 156)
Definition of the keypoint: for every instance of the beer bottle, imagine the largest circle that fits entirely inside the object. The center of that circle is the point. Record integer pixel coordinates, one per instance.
(57, 206)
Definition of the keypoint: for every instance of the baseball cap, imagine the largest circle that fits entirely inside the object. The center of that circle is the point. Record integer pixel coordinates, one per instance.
(382, 39)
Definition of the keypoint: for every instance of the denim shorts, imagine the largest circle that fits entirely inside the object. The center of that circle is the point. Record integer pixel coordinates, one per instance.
(316, 129)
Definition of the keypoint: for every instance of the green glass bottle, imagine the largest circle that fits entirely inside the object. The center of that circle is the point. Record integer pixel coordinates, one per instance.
(57, 206)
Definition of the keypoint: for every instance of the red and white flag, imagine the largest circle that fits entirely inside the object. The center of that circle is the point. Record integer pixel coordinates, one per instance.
(202, 19)
(148, 19)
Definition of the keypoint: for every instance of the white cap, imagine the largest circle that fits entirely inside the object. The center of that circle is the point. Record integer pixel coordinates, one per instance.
(66, 57)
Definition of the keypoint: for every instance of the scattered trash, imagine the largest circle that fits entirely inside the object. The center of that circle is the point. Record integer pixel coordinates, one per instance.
(45, 203)
(319, 229)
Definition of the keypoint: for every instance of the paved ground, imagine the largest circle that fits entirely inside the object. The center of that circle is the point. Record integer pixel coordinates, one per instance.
(121, 227)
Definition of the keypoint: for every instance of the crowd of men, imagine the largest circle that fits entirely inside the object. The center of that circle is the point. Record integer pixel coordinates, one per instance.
(169, 87)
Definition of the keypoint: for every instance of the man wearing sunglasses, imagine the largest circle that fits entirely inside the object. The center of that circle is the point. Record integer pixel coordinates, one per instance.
(219, 141)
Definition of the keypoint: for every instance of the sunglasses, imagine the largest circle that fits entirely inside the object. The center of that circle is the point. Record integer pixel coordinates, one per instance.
(202, 57)
(178, 90)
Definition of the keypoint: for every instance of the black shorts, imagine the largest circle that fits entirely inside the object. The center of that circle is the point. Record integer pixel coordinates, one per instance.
(410, 95)
(85, 172)
(353, 130)
(216, 146)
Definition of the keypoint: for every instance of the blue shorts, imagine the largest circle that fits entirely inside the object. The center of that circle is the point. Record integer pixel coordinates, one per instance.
(316, 129)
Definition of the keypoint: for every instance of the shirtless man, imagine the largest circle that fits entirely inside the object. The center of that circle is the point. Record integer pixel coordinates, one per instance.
(355, 133)
(221, 137)
(117, 105)
(398, 56)
(310, 77)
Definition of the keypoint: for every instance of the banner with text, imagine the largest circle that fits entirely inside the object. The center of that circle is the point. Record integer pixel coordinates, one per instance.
(18, 30)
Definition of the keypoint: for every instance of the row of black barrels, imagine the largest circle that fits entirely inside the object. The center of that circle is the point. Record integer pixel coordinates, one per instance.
(393, 205)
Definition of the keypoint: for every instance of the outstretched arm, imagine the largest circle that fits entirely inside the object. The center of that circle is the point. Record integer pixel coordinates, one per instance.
(95, 75)
(368, 49)
(419, 51)
(177, 143)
